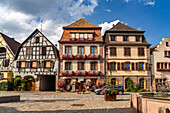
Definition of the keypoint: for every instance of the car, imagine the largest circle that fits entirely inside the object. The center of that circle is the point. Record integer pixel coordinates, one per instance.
(100, 90)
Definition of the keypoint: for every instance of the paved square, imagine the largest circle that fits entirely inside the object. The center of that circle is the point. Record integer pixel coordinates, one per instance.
(65, 102)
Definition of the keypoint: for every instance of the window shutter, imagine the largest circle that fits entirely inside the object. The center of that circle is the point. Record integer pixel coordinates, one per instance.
(18, 64)
(111, 52)
(124, 51)
(40, 50)
(137, 66)
(108, 66)
(51, 64)
(123, 66)
(118, 66)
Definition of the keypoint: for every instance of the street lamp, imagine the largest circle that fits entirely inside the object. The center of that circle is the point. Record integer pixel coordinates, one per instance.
(150, 68)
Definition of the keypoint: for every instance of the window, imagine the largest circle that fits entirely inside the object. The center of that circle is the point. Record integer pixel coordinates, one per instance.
(85, 36)
(113, 66)
(90, 35)
(118, 66)
(162, 65)
(81, 50)
(166, 53)
(37, 39)
(47, 64)
(123, 66)
(141, 83)
(22, 65)
(125, 38)
(127, 51)
(141, 52)
(29, 50)
(113, 51)
(93, 65)
(137, 38)
(158, 65)
(67, 65)
(42, 50)
(113, 38)
(165, 65)
(77, 35)
(80, 65)
(137, 67)
(133, 66)
(93, 50)
(167, 44)
(6, 62)
(81, 36)
(140, 66)
(127, 66)
(68, 50)
(113, 81)
(34, 64)
(73, 36)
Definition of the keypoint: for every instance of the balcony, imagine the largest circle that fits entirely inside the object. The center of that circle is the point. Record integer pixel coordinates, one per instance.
(2, 55)
(80, 73)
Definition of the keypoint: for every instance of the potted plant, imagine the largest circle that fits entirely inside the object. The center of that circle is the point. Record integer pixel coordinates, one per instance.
(110, 94)
(77, 91)
(83, 91)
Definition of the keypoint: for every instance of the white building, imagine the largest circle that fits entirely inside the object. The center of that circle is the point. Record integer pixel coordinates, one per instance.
(160, 60)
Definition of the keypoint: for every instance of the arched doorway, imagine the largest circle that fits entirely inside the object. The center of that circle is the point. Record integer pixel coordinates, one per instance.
(142, 83)
(113, 81)
(126, 82)
(30, 83)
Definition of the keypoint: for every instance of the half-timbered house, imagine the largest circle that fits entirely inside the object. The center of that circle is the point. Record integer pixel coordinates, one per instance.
(8, 48)
(37, 58)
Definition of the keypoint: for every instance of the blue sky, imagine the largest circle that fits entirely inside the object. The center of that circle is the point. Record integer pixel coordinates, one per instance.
(20, 18)
(154, 19)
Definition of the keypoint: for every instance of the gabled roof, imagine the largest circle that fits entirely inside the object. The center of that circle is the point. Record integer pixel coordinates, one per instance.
(13, 44)
(82, 23)
(34, 33)
(122, 27)
(153, 48)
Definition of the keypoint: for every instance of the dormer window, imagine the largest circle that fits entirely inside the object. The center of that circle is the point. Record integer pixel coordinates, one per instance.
(137, 38)
(73, 36)
(37, 39)
(125, 38)
(167, 44)
(113, 38)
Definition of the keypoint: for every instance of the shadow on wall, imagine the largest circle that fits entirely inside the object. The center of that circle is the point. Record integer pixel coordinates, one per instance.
(114, 110)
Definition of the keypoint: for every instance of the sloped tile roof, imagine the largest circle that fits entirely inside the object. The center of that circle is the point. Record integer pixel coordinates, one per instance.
(13, 44)
(122, 27)
(82, 23)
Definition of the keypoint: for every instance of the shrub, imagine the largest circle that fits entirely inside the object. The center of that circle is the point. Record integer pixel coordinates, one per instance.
(4, 86)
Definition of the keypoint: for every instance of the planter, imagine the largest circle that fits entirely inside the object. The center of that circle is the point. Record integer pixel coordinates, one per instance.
(109, 97)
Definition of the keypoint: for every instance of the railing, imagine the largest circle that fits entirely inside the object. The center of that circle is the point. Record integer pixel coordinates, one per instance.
(70, 73)
(2, 55)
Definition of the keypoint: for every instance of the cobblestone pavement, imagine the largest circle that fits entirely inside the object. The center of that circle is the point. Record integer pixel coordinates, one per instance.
(65, 102)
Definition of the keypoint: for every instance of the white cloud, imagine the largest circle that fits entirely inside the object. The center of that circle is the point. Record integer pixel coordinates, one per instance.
(106, 25)
(19, 18)
(152, 3)
(145, 2)
(108, 10)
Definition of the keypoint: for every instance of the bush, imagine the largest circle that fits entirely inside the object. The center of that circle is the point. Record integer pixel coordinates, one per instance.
(6, 86)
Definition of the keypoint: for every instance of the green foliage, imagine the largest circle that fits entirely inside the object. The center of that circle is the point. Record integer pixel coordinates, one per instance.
(108, 84)
(110, 92)
(30, 79)
(20, 83)
(130, 87)
(6, 86)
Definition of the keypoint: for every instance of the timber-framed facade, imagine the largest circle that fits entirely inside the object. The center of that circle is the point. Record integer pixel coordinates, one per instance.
(38, 58)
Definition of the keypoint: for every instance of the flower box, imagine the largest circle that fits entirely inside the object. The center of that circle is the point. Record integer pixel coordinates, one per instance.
(81, 39)
(77, 73)
(160, 69)
(109, 97)
(90, 39)
(68, 57)
(72, 39)
(96, 73)
(93, 57)
(70, 73)
(90, 73)
(83, 73)
(166, 69)
(78, 57)
(64, 73)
